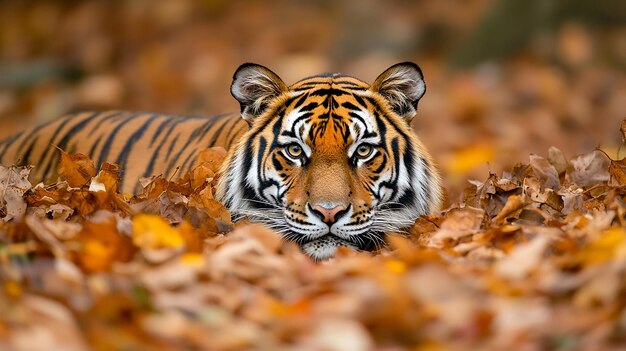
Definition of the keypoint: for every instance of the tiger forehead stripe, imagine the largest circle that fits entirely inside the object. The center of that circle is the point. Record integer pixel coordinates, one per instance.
(293, 117)
(335, 79)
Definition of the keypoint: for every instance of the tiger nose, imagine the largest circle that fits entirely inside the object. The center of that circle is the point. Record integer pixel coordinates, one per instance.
(329, 213)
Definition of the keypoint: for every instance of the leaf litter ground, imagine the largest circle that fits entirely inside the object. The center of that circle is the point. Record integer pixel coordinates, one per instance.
(531, 259)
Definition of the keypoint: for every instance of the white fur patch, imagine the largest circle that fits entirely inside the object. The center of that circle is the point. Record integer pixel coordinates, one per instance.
(324, 247)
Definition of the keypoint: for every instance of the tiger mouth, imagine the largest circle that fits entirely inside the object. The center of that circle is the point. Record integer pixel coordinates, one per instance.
(331, 238)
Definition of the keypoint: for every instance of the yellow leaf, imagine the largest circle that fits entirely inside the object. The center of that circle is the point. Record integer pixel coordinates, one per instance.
(153, 232)
(192, 259)
(605, 247)
(465, 160)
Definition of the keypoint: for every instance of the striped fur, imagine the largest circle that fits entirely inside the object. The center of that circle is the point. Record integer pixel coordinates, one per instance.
(143, 144)
(329, 161)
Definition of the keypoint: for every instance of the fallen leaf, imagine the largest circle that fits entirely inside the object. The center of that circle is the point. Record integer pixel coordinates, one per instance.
(588, 169)
(605, 247)
(102, 246)
(13, 184)
(152, 232)
(523, 259)
(77, 169)
(513, 204)
(545, 172)
(459, 223)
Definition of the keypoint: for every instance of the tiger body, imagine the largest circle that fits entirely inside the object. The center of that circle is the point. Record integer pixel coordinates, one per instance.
(143, 144)
(329, 161)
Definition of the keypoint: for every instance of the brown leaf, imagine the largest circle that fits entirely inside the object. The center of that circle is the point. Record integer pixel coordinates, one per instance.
(589, 169)
(545, 172)
(13, 184)
(49, 326)
(557, 159)
(459, 223)
(523, 258)
(617, 170)
(513, 204)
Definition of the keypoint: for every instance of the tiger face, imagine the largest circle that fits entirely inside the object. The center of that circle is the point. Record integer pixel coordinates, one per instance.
(330, 161)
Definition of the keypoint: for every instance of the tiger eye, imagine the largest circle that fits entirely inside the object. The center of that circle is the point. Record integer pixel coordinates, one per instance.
(294, 150)
(364, 150)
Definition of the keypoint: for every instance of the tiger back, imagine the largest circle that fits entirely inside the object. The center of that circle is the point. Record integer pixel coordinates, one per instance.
(143, 144)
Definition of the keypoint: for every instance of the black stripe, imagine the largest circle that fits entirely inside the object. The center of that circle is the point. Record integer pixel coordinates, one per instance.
(346, 82)
(383, 164)
(304, 116)
(218, 132)
(113, 114)
(185, 146)
(122, 158)
(309, 107)
(157, 152)
(354, 88)
(52, 160)
(184, 168)
(8, 142)
(300, 101)
(26, 157)
(231, 129)
(260, 128)
(160, 129)
(75, 129)
(330, 91)
(92, 150)
(106, 148)
(264, 183)
(34, 133)
(171, 148)
(231, 141)
(357, 117)
(350, 106)
(360, 101)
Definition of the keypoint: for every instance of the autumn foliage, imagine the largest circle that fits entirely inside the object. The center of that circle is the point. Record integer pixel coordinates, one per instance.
(534, 258)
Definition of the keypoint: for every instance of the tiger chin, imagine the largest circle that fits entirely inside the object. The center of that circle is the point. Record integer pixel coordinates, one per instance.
(330, 161)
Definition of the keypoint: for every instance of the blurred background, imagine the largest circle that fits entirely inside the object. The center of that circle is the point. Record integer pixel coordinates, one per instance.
(505, 78)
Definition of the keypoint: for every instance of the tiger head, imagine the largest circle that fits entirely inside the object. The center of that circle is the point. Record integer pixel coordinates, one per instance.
(331, 160)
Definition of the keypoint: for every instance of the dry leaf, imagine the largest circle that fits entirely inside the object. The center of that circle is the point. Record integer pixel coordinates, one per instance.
(13, 184)
(459, 223)
(102, 246)
(523, 259)
(76, 169)
(588, 169)
(545, 172)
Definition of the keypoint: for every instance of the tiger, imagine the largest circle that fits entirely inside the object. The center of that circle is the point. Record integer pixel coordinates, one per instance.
(329, 161)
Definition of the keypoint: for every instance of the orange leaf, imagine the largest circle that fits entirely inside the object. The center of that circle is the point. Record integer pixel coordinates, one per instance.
(76, 169)
(212, 158)
(102, 245)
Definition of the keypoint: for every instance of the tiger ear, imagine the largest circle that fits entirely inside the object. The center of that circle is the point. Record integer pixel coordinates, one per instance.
(402, 85)
(254, 86)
